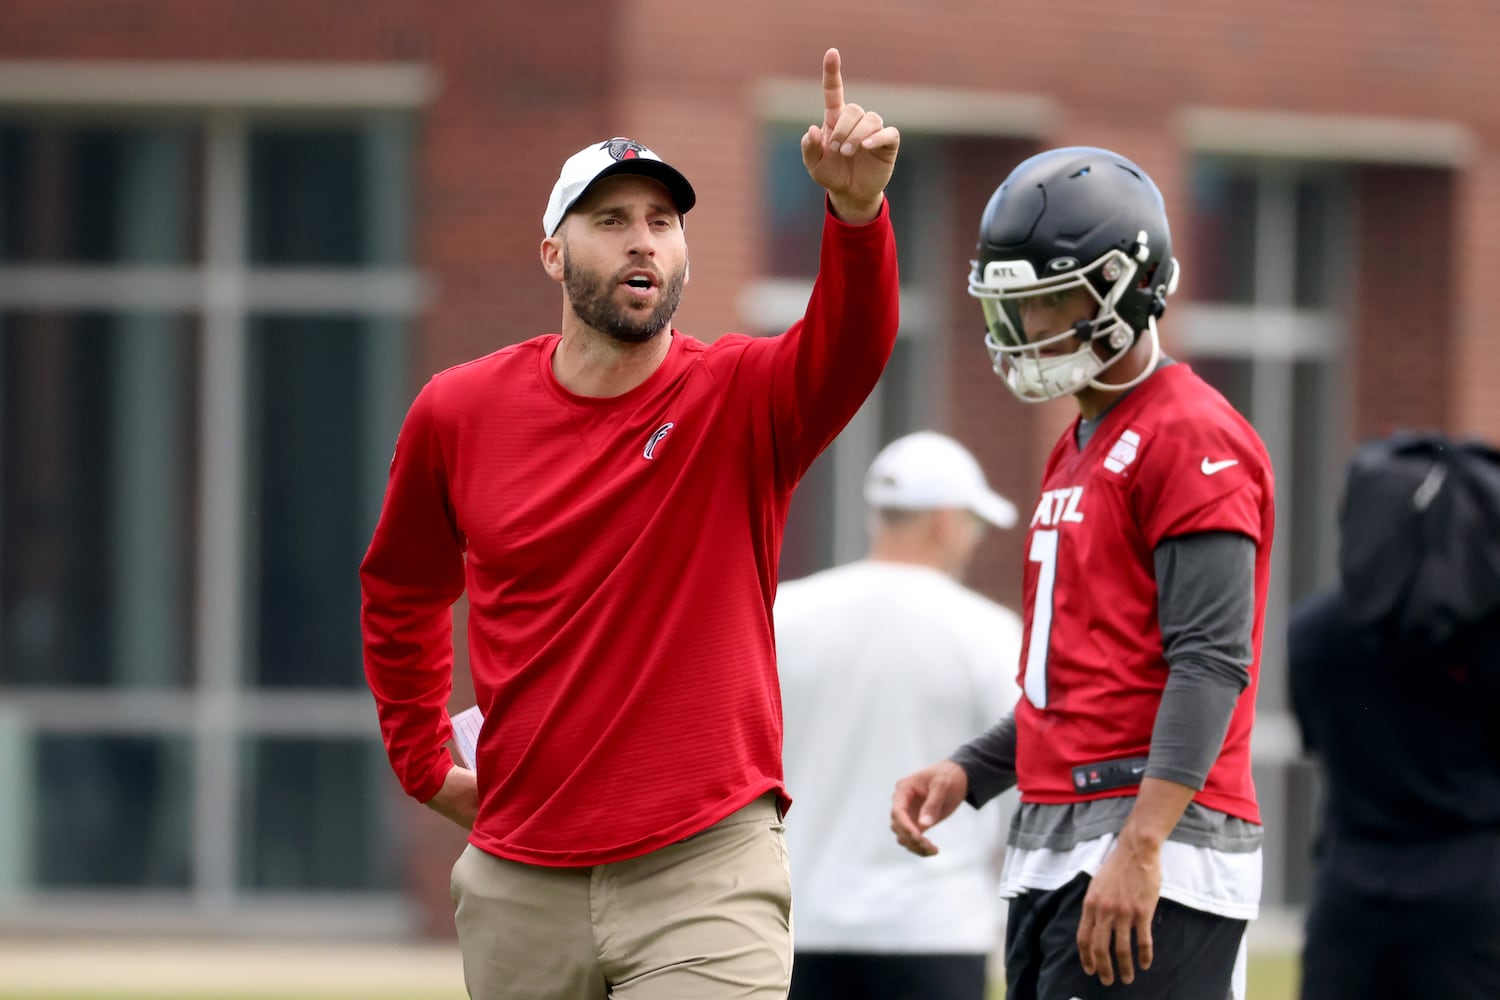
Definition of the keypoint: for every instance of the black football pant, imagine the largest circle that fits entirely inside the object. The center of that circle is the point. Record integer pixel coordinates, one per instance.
(1194, 952)
(837, 975)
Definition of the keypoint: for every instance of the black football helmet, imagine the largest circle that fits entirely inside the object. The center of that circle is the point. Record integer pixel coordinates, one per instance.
(1077, 217)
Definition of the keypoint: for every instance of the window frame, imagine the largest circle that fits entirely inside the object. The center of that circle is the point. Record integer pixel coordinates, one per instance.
(221, 290)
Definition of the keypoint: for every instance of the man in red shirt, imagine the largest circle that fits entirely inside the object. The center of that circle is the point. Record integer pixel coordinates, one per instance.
(1148, 556)
(612, 500)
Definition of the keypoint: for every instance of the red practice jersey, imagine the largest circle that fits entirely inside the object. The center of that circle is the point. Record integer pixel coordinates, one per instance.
(1171, 458)
(620, 559)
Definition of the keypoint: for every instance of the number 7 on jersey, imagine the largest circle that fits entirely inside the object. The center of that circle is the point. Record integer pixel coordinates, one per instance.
(1043, 551)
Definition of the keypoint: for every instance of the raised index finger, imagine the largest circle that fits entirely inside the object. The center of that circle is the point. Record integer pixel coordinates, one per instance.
(833, 88)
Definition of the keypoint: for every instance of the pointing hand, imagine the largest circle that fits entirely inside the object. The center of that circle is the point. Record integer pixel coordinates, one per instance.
(852, 154)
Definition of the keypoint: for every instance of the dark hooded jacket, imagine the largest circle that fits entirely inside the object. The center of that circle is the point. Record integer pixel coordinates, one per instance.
(1395, 674)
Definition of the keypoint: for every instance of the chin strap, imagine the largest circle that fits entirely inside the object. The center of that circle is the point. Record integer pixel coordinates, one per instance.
(1144, 372)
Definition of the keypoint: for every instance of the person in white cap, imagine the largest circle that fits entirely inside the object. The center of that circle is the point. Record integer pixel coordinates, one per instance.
(885, 663)
(612, 499)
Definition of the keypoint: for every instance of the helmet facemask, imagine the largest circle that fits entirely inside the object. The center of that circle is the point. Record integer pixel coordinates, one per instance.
(1050, 364)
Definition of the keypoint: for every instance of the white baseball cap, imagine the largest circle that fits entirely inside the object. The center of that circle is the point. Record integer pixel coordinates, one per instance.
(926, 471)
(605, 159)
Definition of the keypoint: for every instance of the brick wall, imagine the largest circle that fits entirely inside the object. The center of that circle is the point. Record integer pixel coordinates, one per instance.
(520, 89)
(1405, 295)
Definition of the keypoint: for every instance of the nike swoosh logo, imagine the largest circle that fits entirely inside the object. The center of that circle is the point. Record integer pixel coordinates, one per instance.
(1209, 468)
(1136, 770)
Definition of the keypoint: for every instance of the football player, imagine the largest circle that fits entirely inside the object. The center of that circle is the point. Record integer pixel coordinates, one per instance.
(1134, 861)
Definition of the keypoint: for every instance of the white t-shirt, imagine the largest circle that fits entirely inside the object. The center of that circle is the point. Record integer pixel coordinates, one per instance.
(887, 668)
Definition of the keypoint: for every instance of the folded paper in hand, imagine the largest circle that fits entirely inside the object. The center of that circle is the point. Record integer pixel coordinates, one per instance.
(466, 734)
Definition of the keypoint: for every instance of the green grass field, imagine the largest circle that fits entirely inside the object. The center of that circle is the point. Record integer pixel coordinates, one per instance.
(1272, 977)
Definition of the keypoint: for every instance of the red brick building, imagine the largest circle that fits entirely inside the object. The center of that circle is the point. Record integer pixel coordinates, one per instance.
(235, 237)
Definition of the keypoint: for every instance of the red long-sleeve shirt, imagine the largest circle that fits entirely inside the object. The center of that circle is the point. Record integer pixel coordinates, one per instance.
(620, 557)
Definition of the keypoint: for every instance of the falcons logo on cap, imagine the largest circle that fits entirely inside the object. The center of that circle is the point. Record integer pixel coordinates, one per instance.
(624, 149)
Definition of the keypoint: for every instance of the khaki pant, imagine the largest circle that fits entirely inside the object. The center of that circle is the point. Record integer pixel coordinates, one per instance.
(703, 919)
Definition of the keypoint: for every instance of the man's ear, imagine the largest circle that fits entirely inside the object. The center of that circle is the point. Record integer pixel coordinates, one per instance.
(552, 254)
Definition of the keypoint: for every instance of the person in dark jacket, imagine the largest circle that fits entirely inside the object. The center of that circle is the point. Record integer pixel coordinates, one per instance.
(1395, 680)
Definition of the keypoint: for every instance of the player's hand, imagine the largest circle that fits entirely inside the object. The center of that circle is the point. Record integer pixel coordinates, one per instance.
(923, 800)
(1121, 898)
(458, 799)
(852, 154)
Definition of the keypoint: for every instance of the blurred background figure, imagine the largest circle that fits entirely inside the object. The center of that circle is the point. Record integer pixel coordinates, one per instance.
(1395, 677)
(886, 663)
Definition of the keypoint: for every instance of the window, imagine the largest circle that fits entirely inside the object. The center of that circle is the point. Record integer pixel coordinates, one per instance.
(1269, 273)
(794, 204)
(116, 814)
(317, 386)
(1267, 326)
(301, 800)
(99, 193)
(96, 499)
(819, 531)
(203, 325)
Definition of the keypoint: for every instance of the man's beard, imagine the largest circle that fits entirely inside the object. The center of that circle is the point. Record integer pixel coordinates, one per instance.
(590, 298)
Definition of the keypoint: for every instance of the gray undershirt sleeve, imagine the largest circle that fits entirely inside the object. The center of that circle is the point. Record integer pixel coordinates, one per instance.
(990, 761)
(1206, 587)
